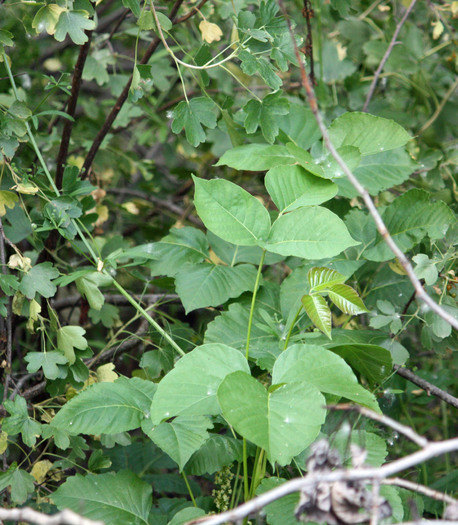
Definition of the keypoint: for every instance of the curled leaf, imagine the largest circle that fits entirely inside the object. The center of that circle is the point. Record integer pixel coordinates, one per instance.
(210, 32)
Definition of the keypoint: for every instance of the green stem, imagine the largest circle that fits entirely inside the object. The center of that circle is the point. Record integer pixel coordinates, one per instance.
(290, 331)
(146, 315)
(253, 301)
(258, 471)
(188, 486)
(246, 488)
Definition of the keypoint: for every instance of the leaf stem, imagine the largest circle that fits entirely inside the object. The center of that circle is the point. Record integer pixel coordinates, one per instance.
(246, 487)
(253, 301)
(290, 331)
(188, 486)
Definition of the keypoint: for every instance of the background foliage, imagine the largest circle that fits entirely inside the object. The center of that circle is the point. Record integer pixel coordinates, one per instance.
(187, 276)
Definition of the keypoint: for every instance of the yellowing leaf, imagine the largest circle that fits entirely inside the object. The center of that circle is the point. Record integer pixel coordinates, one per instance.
(102, 212)
(34, 310)
(3, 441)
(131, 207)
(210, 32)
(106, 374)
(26, 189)
(53, 64)
(8, 199)
(40, 469)
(20, 262)
(438, 29)
(397, 267)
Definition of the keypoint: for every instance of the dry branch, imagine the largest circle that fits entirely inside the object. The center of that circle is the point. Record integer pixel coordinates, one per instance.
(65, 517)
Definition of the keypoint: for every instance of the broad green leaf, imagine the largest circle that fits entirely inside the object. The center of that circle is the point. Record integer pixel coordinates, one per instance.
(331, 168)
(69, 338)
(20, 422)
(251, 64)
(201, 285)
(46, 18)
(305, 159)
(256, 157)
(133, 5)
(281, 511)
(320, 278)
(20, 110)
(408, 219)
(324, 369)
(311, 233)
(318, 310)
(368, 133)
(346, 299)
(181, 246)
(217, 452)
(425, 268)
(231, 212)
(116, 498)
(263, 114)
(20, 481)
(231, 328)
(192, 115)
(8, 199)
(107, 408)
(299, 126)
(379, 172)
(39, 280)
(8, 283)
(74, 23)
(374, 444)
(277, 420)
(190, 388)
(48, 361)
(186, 515)
(180, 438)
(292, 187)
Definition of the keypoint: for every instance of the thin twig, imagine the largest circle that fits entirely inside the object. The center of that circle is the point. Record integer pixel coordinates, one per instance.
(253, 506)
(429, 388)
(385, 420)
(191, 12)
(381, 227)
(421, 489)
(106, 126)
(71, 108)
(116, 299)
(9, 317)
(439, 108)
(386, 55)
(65, 517)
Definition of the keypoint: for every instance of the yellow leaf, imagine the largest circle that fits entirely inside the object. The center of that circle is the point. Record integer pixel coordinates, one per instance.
(397, 267)
(76, 161)
(8, 199)
(454, 9)
(17, 261)
(53, 65)
(27, 189)
(34, 310)
(102, 212)
(131, 207)
(40, 469)
(438, 29)
(210, 32)
(3, 441)
(105, 373)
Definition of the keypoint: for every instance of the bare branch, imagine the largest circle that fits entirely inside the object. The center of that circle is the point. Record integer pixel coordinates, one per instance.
(385, 420)
(381, 227)
(9, 317)
(428, 387)
(117, 299)
(255, 505)
(65, 517)
(439, 108)
(416, 487)
(386, 55)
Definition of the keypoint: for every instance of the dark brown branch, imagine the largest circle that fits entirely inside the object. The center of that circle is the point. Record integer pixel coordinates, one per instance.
(386, 55)
(9, 317)
(308, 14)
(106, 126)
(191, 12)
(429, 388)
(117, 299)
(71, 108)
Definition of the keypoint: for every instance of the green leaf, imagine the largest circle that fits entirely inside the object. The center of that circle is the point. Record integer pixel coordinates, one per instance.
(324, 369)
(74, 23)
(291, 187)
(231, 212)
(6, 38)
(8, 199)
(311, 233)
(107, 408)
(277, 420)
(181, 246)
(48, 361)
(88, 285)
(299, 126)
(201, 285)
(320, 278)
(368, 133)
(190, 388)
(133, 5)
(180, 438)
(8, 283)
(20, 422)
(69, 338)
(39, 280)
(425, 268)
(115, 498)
(281, 511)
(20, 481)
(346, 299)
(318, 311)
(217, 452)
(408, 219)
(191, 116)
(263, 114)
(331, 168)
(251, 64)
(255, 157)
(186, 515)
(47, 18)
